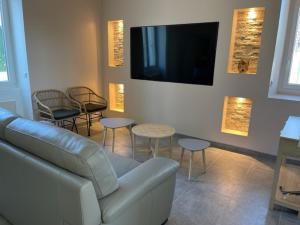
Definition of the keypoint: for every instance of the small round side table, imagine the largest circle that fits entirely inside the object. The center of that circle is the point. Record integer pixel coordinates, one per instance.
(153, 131)
(115, 123)
(193, 145)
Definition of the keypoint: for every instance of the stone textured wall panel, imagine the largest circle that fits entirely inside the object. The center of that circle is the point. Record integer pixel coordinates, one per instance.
(236, 115)
(117, 39)
(246, 39)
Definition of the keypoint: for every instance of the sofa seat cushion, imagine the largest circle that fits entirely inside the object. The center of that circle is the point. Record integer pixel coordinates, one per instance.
(5, 118)
(121, 164)
(67, 150)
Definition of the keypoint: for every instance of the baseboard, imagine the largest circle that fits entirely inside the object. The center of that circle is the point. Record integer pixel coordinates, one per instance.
(244, 151)
(240, 150)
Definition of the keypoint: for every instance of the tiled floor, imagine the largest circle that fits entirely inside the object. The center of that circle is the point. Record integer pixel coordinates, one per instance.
(234, 191)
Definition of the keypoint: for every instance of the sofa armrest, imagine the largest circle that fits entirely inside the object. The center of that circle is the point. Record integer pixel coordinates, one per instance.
(135, 184)
(121, 164)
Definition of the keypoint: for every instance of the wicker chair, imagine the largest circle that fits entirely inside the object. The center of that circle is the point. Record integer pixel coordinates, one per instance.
(91, 103)
(55, 106)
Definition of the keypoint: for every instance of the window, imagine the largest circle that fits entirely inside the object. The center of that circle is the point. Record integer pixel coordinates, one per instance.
(285, 80)
(6, 68)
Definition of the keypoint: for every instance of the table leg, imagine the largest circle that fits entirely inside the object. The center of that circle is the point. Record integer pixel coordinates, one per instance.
(104, 136)
(190, 166)
(170, 151)
(155, 153)
(133, 145)
(130, 132)
(150, 144)
(204, 161)
(113, 141)
(181, 158)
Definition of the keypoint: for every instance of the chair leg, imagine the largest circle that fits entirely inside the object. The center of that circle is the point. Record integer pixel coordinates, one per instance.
(74, 124)
(90, 121)
(88, 125)
(72, 128)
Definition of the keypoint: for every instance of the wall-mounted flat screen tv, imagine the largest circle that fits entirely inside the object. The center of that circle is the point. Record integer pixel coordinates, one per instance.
(174, 53)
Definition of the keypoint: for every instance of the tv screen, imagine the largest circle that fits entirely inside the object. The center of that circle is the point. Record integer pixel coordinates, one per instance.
(174, 53)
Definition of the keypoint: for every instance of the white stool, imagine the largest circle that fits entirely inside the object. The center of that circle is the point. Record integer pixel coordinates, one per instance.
(193, 145)
(115, 123)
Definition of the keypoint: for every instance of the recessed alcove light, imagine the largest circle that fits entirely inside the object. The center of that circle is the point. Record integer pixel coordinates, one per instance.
(236, 115)
(116, 97)
(115, 43)
(247, 28)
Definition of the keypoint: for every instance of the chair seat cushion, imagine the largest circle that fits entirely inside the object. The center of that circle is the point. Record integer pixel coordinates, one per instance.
(67, 150)
(91, 107)
(60, 114)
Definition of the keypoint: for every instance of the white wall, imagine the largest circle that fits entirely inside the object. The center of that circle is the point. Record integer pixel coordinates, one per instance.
(192, 109)
(62, 42)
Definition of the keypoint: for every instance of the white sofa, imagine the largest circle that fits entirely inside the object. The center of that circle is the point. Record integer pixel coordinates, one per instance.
(51, 176)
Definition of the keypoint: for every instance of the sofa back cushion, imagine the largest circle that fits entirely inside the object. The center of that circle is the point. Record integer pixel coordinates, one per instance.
(67, 150)
(5, 118)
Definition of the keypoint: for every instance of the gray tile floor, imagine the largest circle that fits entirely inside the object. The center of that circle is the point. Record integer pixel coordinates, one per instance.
(234, 191)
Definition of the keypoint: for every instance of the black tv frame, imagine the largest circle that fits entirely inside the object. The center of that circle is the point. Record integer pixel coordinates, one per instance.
(213, 49)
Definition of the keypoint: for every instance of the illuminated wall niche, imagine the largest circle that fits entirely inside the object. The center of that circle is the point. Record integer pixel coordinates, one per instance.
(245, 44)
(116, 97)
(115, 43)
(236, 115)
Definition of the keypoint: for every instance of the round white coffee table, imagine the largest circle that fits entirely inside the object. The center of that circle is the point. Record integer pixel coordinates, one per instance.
(155, 132)
(193, 145)
(115, 123)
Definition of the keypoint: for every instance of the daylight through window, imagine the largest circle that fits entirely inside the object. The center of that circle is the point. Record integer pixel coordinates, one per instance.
(294, 77)
(3, 62)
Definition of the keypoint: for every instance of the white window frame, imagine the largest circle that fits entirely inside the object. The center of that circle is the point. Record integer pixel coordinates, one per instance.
(8, 46)
(284, 87)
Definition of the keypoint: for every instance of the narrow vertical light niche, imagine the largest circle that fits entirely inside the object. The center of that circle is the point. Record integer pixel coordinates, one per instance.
(245, 42)
(116, 97)
(236, 115)
(115, 43)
